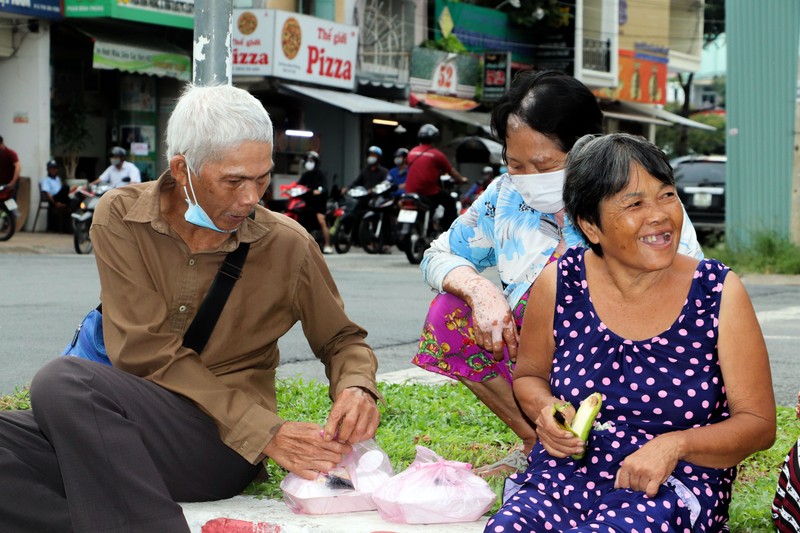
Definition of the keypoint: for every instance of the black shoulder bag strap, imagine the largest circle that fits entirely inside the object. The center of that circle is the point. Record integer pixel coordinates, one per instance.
(415, 159)
(206, 318)
(202, 326)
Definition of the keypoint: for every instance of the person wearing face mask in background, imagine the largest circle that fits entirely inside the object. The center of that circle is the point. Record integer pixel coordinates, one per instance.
(487, 175)
(518, 225)
(373, 173)
(316, 181)
(399, 173)
(120, 172)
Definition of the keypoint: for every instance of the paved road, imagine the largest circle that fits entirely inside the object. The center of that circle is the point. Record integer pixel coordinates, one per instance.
(47, 289)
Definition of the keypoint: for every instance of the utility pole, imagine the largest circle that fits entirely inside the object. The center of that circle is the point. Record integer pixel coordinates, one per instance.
(211, 49)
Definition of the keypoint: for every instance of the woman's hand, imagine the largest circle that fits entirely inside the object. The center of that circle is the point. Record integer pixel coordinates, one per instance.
(492, 321)
(647, 468)
(556, 440)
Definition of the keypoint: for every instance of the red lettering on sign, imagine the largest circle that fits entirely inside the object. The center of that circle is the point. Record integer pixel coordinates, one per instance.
(328, 67)
(249, 58)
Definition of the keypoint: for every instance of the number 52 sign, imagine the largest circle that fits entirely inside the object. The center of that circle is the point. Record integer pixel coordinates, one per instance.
(445, 77)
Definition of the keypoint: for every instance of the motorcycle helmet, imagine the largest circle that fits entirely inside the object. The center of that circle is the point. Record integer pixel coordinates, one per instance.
(375, 150)
(312, 156)
(52, 164)
(400, 155)
(428, 134)
(487, 170)
(118, 151)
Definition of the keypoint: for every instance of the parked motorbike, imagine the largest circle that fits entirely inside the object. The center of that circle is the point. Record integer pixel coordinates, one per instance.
(419, 223)
(8, 220)
(344, 230)
(300, 210)
(377, 228)
(86, 199)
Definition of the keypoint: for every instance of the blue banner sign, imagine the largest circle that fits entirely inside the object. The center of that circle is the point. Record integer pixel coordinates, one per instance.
(43, 9)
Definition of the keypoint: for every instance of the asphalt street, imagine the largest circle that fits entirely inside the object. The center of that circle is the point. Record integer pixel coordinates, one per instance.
(47, 289)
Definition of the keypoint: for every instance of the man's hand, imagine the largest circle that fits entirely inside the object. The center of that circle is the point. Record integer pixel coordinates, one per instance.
(299, 448)
(354, 417)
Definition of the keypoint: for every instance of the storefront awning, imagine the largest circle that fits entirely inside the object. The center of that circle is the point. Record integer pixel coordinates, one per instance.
(355, 103)
(662, 114)
(634, 117)
(140, 55)
(472, 118)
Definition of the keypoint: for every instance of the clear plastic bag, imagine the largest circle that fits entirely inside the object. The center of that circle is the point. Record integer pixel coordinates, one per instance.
(347, 488)
(434, 491)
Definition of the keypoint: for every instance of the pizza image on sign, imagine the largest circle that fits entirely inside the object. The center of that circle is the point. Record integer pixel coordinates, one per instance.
(247, 23)
(291, 38)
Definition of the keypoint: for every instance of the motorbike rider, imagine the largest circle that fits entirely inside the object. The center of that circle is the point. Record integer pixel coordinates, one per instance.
(120, 172)
(57, 194)
(399, 173)
(10, 167)
(373, 173)
(425, 165)
(315, 180)
(487, 175)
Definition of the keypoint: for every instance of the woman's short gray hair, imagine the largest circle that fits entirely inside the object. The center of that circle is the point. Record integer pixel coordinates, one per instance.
(599, 166)
(208, 122)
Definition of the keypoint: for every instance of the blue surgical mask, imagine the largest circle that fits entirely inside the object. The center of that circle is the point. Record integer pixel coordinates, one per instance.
(195, 214)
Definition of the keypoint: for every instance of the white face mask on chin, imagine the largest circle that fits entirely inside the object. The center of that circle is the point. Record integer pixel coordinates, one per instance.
(543, 192)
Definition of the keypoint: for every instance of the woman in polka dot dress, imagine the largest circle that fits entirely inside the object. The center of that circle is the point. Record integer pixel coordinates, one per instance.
(673, 345)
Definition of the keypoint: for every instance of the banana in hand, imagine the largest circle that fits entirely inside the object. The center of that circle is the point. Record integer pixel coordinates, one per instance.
(584, 418)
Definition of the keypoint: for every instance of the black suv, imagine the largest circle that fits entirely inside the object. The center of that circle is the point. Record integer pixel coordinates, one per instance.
(700, 180)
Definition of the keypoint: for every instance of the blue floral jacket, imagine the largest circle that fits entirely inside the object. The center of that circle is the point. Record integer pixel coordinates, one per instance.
(500, 230)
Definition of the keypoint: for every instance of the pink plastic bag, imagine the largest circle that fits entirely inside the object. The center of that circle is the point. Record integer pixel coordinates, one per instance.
(434, 491)
(347, 488)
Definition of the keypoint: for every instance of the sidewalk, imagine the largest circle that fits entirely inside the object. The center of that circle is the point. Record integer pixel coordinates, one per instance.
(248, 514)
(26, 242)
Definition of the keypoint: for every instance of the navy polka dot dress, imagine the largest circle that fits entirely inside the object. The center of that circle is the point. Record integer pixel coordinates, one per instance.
(670, 382)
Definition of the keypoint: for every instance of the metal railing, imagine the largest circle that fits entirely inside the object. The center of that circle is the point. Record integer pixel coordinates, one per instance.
(390, 66)
(597, 54)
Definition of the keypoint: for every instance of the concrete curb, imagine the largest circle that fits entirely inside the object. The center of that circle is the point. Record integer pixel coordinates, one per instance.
(251, 515)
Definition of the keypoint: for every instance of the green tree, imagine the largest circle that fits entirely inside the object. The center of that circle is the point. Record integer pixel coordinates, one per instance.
(71, 133)
(697, 141)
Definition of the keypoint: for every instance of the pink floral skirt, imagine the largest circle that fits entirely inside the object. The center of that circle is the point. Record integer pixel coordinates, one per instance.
(447, 345)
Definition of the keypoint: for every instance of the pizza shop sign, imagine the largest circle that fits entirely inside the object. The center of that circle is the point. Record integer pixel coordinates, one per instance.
(268, 42)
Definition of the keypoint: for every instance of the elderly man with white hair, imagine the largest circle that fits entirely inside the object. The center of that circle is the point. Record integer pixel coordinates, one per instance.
(112, 448)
